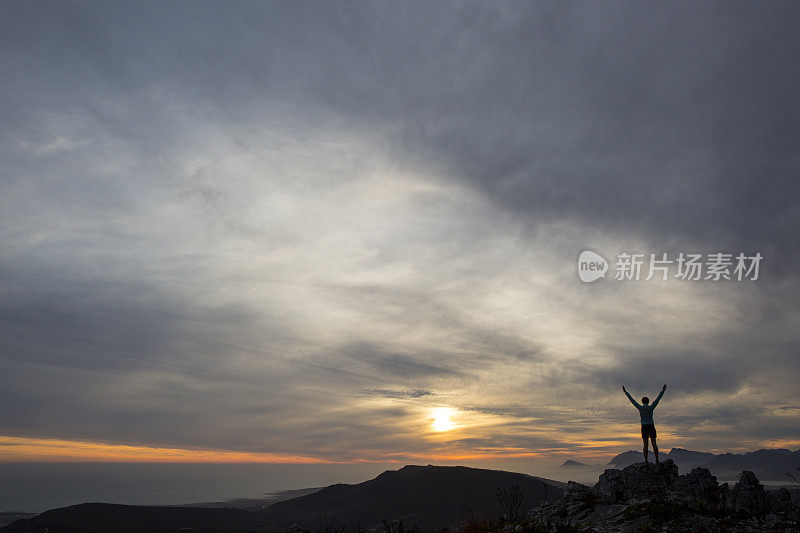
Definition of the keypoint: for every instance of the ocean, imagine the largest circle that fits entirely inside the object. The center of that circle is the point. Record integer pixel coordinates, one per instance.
(36, 487)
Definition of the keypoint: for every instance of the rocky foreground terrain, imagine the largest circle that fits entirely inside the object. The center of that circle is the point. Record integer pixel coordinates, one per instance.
(644, 497)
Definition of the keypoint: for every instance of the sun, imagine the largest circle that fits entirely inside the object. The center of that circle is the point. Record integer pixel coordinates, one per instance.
(441, 419)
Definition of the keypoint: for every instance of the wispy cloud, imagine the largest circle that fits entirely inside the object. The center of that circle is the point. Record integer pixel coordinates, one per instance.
(296, 232)
(59, 144)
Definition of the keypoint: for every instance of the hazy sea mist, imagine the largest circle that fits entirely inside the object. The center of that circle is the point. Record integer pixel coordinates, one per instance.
(36, 487)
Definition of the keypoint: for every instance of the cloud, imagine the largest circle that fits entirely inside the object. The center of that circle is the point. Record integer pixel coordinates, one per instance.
(59, 144)
(288, 230)
(401, 394)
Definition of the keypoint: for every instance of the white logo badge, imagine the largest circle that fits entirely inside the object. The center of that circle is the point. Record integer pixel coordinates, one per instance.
(591, 266)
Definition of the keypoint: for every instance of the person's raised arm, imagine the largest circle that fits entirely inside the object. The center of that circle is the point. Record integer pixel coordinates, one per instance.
(635, 404)
(660, 394)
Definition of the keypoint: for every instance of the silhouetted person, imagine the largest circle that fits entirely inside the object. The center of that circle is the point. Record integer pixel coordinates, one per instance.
(646, 414)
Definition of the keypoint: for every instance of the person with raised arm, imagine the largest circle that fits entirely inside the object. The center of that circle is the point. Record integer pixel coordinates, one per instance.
(646, 415)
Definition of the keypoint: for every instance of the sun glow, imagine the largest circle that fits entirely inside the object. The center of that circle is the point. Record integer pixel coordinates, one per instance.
(441, 419)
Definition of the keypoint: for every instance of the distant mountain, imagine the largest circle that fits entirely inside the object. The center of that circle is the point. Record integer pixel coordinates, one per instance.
(685, 459)
(253, 504)
(766, 464)
(430, 496)
(689, 459)
(426, 496)
(626, 459)
(106, 517)
(6, 517)
(570, 462)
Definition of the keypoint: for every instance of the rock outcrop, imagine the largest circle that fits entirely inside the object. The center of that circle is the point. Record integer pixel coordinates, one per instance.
(644, 497)
(748, 496)
(637, 481)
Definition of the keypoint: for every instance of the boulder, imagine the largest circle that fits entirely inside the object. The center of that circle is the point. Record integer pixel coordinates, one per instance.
(578, 492)
(748, 495)
(779, 501)
(638, 481)
(699, 490)
(644, 497)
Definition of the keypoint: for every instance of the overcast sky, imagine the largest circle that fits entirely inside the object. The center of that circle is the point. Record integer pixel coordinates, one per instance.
(297, 229)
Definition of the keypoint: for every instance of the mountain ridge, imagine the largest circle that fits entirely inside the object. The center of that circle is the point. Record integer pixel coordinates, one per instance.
(766, 463)
(431, 496)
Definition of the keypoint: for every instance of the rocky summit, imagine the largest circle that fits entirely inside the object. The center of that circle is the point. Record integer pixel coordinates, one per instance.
(653, 497)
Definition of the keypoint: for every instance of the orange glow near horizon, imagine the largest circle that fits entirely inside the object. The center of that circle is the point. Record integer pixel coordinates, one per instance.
(27, 449)
(19, 449)
(34, 449)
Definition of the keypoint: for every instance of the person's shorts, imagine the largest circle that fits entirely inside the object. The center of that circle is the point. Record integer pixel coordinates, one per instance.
(648, 430)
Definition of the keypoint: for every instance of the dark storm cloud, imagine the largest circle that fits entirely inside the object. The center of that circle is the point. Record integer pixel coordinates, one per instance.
(129, 308)
(679, 121)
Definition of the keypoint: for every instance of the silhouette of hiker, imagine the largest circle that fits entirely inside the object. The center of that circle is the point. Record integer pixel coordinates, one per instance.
(646, 414)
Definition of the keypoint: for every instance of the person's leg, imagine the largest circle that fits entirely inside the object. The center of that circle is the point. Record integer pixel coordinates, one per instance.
(644, 449)
(655, 448)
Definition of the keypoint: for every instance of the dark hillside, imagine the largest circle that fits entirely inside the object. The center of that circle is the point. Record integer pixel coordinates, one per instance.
(430, 496)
